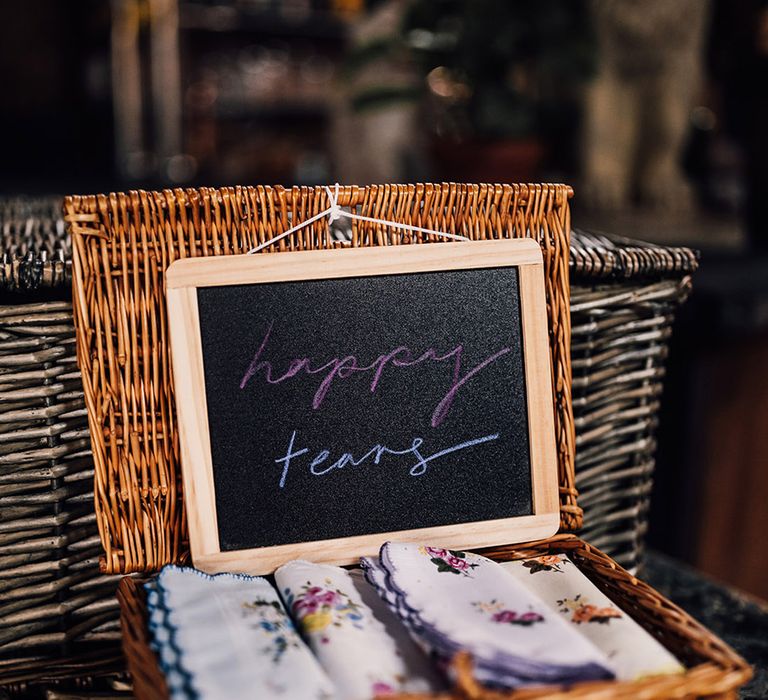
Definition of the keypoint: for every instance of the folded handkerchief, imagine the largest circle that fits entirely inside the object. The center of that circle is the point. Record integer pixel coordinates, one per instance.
(175, 677)
(359, 643)
(566, 591)
(453, 601)
(228, 636)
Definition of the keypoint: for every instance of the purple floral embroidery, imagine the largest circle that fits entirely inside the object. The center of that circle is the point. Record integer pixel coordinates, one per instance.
(316, 608)
(448, 560)
(513, 618)
(504, 616)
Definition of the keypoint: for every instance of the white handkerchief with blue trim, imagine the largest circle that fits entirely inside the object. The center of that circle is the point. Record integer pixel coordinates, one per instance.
(360, 644)
(570, 594)
(458, 601)
(176, 679)
(228, 636)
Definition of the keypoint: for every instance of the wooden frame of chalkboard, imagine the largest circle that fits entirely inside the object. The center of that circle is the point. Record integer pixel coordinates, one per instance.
(211, 550)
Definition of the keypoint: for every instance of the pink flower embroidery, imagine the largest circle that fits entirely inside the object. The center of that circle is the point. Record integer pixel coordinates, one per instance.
(449, 560)
(305, 606)
(317, 608)
(531, 617)
(456, 563)
(505, 616)
(327, 598)
(313, 598)
(510, 617)
(381, 688)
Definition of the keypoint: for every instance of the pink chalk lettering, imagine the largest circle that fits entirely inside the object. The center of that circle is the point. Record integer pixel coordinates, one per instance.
(342, 368)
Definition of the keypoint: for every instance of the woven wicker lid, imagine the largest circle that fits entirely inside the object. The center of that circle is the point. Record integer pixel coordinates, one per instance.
(35, 250)
(600, 256)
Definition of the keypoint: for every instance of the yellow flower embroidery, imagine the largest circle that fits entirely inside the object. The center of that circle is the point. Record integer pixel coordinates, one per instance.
(315, 622)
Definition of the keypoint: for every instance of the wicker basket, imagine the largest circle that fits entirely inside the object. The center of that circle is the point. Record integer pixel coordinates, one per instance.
(623, 298)
(122, 246)
(56, 609)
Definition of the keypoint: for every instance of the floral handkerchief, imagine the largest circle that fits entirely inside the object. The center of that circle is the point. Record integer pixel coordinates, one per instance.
(453, 601)
(359, 643)
(175, 677)
(566, 591)
(228, 636)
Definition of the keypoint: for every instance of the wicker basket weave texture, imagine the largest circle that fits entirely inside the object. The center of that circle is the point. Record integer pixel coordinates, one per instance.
(55, 605)
(122, 245)
(624, 295)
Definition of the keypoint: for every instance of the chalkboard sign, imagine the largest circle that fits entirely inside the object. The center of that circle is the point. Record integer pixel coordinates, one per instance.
(331, 400)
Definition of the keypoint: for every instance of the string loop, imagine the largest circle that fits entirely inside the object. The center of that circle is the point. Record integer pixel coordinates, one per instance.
(334, 212)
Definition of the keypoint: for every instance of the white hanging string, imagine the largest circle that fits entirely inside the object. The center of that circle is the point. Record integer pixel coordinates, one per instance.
(334, 212)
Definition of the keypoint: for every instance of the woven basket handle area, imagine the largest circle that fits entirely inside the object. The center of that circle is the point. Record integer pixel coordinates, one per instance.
(124, 242)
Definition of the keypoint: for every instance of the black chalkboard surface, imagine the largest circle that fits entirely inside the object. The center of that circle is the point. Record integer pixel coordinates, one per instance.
(345, 407)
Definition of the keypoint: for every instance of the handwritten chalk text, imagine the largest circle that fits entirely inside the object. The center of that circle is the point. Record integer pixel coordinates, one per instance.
(341, 368)
(320, 466)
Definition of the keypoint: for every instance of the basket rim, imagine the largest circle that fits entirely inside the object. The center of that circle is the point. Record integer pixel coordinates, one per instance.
(594, 254)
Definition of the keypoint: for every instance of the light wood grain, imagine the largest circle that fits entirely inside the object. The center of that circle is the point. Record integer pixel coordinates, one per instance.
(351, 262)
(538, 373)
(185, 276)
(348, 550)
(192, 410)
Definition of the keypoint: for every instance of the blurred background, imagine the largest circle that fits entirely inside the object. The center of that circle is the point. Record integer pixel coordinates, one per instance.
(655, 110)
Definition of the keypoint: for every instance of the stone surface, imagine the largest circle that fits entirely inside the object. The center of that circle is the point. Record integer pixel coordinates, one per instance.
(737, 618)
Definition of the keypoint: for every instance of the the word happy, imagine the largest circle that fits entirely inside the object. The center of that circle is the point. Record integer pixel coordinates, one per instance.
(342, 368)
